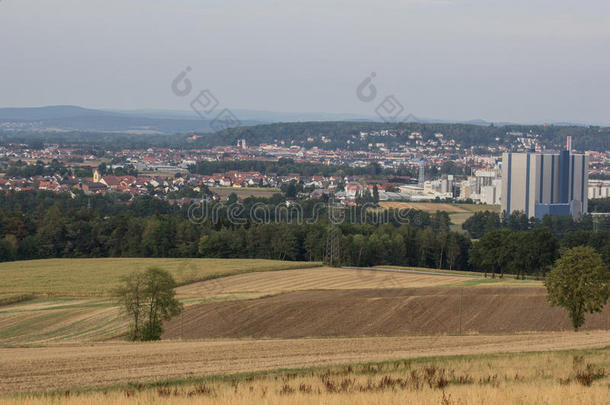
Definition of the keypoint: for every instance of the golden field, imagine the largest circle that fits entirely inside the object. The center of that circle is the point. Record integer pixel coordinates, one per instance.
(60, 367)
(318, 278)
(575, 377)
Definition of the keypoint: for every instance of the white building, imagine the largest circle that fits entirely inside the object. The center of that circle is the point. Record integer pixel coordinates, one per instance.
(599, 189)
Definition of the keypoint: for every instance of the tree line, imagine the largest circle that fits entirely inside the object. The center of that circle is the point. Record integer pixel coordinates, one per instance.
(35, 225)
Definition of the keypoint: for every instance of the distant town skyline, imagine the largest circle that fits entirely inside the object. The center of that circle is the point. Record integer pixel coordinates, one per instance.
(453, 60)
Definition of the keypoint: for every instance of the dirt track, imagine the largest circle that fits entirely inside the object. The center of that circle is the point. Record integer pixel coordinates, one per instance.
(380, 312)
(63, 367)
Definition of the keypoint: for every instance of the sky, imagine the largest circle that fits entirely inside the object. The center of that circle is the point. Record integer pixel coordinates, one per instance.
(498, 60)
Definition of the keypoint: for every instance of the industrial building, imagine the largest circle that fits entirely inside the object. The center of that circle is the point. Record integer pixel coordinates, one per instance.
(545, 183)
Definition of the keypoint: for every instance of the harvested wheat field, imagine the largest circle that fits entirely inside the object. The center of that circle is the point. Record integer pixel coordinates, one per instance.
(376, 312)
(64, 367)
(317, 278)
(575, 377)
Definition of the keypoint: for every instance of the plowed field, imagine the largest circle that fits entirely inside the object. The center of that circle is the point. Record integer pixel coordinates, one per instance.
(376, 312)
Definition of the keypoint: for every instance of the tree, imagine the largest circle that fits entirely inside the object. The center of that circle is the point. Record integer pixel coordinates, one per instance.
(132, 299)
(492, 252)
(232, 199)
(579, 282)
(290, 189)
(148, 299)
(102, 168)
(453, 250)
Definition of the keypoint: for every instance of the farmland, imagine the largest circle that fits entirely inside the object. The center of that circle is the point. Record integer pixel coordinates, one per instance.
(575, 376)
(282, 330)
(245, 192)
(104, 364)
(316, 278)
(380, 312)
(54, 319)
(70, 300)
(458, 213)
(99, 277)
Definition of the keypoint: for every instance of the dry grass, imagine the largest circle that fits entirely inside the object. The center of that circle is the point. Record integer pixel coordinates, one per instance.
(578, 377)
(63, 367)
(479, 207)
(422, 206)
(317, 278)
(458, 213)
(98, 277)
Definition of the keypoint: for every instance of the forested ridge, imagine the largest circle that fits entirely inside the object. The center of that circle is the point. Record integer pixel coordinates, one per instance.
(336, 134)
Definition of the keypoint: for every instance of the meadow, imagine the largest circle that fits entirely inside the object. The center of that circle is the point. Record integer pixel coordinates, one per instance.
(474, 277)
(245, 192)
(99, 277)
(458, 213)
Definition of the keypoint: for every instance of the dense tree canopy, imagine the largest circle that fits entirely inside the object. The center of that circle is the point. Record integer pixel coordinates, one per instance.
(148, 299)
(47, 225)
(579, 282)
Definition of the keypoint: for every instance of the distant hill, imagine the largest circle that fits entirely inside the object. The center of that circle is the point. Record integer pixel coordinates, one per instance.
(156, 121)
(50, 113)
(70, 118)
(358, 135)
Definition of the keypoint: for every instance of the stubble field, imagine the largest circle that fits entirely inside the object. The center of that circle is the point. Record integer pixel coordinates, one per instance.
(575, 377)
(65, 367)
(318, 278)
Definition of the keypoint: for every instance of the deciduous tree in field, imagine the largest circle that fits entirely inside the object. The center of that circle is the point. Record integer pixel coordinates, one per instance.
(579, 282)
(148, 298)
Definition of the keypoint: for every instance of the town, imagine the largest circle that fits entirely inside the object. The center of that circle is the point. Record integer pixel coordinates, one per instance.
(437, 169)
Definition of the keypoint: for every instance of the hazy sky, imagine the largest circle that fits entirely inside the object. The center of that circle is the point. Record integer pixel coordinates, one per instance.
(500, 60)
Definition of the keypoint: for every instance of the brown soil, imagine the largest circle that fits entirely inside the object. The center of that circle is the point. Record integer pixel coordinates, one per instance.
(376, 312)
